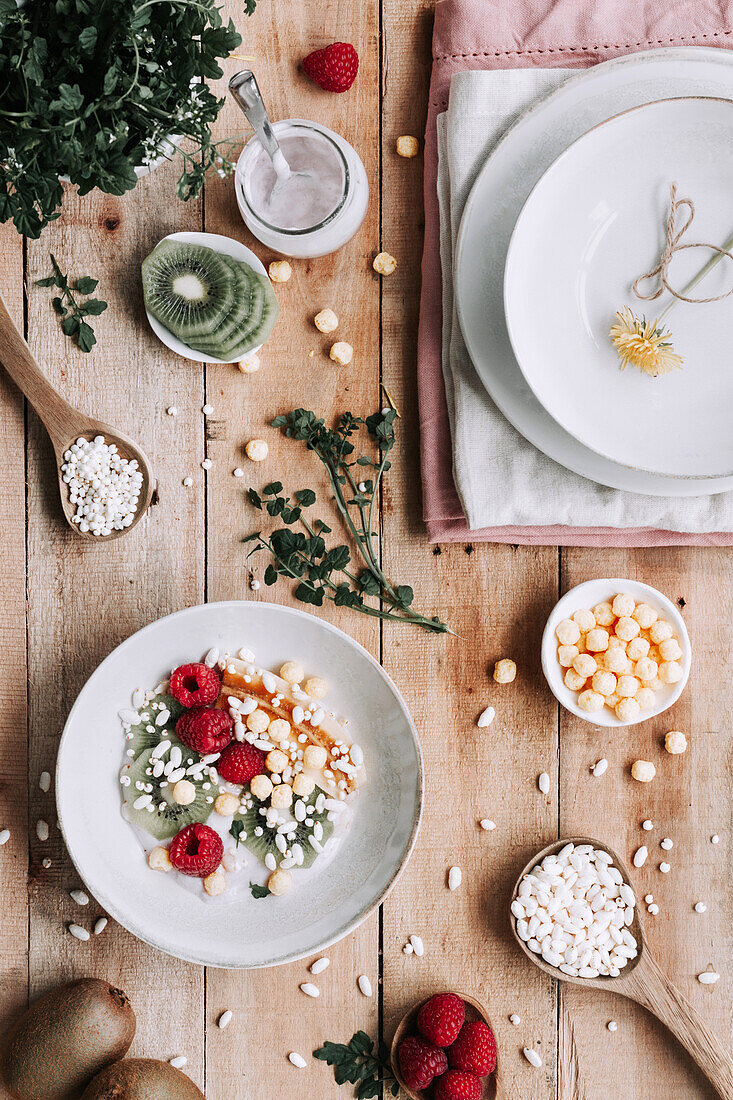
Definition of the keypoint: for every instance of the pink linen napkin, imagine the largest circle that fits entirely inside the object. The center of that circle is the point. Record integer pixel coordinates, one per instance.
(491, 34)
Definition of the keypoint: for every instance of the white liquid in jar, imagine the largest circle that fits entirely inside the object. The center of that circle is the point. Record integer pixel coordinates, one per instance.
(309, 195)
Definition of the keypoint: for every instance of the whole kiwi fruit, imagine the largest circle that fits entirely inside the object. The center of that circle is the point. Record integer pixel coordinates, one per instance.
(64, 1039)
(141, 1079)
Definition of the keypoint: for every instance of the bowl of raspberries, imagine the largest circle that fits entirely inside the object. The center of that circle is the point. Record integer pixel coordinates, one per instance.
(444, 1049)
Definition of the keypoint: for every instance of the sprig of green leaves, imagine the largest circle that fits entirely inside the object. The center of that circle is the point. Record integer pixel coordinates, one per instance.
(72, 312)
(325, 573)
(359, 1063)
(92, 89)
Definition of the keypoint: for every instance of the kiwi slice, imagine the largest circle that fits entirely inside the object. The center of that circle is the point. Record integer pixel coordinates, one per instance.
(168, 818)
(143, 738)
(260, 845)
(188, 288)
(239, 334)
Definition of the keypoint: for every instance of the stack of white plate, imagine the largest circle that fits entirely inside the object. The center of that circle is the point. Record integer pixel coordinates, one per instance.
(567, 211)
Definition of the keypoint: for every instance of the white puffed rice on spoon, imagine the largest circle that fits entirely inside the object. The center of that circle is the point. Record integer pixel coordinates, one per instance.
(574, 910)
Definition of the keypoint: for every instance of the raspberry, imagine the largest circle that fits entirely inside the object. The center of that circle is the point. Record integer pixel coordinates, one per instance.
(455, 1085)
(196, 850)
(420, 1062)
(334, 69)
(474, 1051)
(194, 685)
(441, 1018)
(205, 730)
(240, 762)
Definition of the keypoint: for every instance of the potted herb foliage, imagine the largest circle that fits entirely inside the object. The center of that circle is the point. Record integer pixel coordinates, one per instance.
(91, 90)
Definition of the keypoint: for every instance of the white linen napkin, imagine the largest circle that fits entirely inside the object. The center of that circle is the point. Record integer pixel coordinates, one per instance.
(502, 479)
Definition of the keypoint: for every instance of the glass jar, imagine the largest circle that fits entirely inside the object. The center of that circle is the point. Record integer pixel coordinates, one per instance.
(323, 203)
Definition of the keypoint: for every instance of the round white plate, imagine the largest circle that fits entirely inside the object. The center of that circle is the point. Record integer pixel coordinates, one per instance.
(591, 226)
(218, 243)
(240, 931)
(587, 595)
(497, 197)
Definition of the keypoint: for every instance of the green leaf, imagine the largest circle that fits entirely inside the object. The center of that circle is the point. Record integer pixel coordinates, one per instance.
(272, 489)
(405, 595)
(254, 498)
(235, 830)
(305, 497)
(87, 41)
(50, 281)
(270, 575)
(86, 284)
(85, 337)
(70, 325)
(309, 595)
(93, 307)
(258, 891)
(361, 1043)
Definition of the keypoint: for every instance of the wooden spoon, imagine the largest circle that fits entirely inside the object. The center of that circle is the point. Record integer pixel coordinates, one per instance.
(642, 981)
(408, 1026)
(64, 423)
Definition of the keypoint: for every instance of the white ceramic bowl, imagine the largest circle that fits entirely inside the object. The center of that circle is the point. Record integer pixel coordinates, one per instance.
(240, 931)
(588, 595)
(228, 247)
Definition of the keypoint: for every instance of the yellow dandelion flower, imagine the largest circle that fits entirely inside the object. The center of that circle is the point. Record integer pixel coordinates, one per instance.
(644, 344)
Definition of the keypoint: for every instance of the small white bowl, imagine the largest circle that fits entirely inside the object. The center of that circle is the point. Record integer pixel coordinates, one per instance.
(217, 243)
(588, 595)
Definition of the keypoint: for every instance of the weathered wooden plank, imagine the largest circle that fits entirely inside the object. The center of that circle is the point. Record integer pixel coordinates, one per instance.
(688, 801)
(272, 1017)
(84, 599)
(13, 718)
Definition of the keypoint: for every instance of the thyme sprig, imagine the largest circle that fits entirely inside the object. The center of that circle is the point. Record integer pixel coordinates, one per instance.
(302, 554)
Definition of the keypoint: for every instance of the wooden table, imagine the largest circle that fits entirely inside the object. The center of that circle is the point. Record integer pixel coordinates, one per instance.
(66, 604)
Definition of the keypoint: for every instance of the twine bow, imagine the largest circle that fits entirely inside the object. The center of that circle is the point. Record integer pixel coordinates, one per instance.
(672, 245)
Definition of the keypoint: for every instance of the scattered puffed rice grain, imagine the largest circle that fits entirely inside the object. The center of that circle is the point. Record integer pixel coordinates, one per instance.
(319, 965)
(715, 839)
(42, 830)
(487, 824)
(543, 782)
(4, 836)
(665, 868)
(653, 909)
(647, 826)
(78, 932)
(100, 925)
(708, 977)
(600, 768)
(515, 1020)
(612, 1025)
(297, 1059)
(455, 877)
(79, 897)
(365, 986)
(44, 781)
(485, 718)
(700, 907)
(179, 1062)
(640, 856)
(667, 844)
(225, 1019)
(532, 1057)
(407, 949)
(417, 946)
(310, 990)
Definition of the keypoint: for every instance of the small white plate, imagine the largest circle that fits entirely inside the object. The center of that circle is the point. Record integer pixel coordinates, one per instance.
(501, 188)
(587, 595)
(592, 225)
(228, 247)
(324, 905)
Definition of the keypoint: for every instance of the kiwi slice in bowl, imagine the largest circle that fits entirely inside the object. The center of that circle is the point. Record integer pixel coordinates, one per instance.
(144, 737)
(260, 846)
(188, 288)
(168, 817)
(210, 301)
